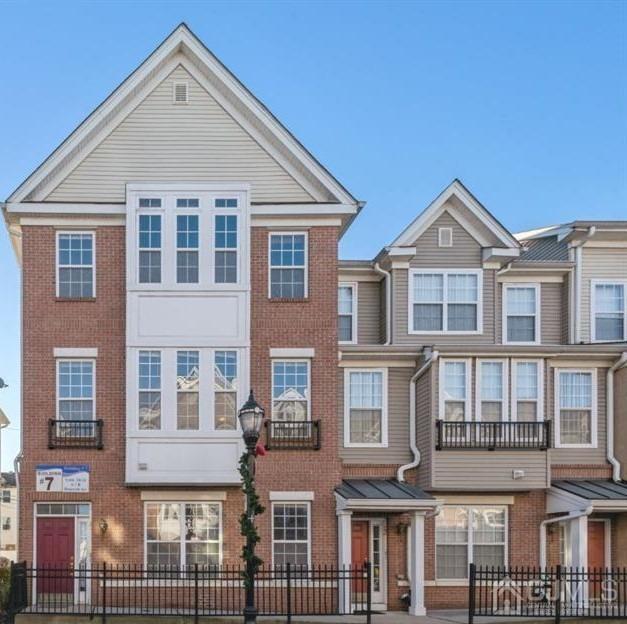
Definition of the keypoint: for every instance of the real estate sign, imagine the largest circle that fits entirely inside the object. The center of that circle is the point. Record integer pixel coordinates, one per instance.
(55, 478)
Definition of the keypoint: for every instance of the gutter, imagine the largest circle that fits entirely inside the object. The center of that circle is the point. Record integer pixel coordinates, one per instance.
(569, 516)
(431, 356)
(609, 388)
(388, 302)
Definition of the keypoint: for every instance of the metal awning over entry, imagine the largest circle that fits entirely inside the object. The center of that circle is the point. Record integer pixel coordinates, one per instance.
(382, 495)
(601, 494)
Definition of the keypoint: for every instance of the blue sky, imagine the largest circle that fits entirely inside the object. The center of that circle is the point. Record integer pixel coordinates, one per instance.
(525, 102)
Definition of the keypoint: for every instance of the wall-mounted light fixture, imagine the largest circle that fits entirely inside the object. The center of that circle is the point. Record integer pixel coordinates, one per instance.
(103, 526)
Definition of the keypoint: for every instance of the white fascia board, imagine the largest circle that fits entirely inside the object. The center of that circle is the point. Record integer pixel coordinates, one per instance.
(20, 208)
(291, 496)
(186, 186)
(293, 353)
(302, 209)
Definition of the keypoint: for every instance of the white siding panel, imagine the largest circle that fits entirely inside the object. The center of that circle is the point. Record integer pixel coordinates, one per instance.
(163, 141)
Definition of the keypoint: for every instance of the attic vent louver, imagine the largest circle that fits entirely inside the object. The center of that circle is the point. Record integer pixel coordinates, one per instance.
(180, 91)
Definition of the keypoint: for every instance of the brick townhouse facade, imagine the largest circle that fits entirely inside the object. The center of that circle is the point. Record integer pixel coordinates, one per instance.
(459, 398)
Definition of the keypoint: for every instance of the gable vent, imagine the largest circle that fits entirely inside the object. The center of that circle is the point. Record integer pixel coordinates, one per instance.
(181, 95)
(445, 237)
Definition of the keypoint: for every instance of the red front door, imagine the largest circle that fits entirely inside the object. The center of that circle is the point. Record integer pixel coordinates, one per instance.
(55, 554)
(360, 551)
(596, 557)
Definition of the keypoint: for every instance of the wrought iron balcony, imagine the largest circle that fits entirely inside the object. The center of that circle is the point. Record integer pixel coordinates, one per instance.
(493, 435)
(75, 434)
(281, 435)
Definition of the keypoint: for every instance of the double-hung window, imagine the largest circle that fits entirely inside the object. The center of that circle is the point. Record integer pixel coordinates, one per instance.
(6, 496)
(347, 313)
(445, 301)
(491, 390)
(187, 390)
(187, 249)
(465, 535)
(75, 389)
(183, 534)
(575, 408)
(527, 392)
(609, 311)
(149, 248)
(149, 399)
(288, 265)
(365, 400)
(226, 249)
(290, 390)
(521, 320)
(455, 390)
(75, 265)
(291, 534)
(225, 389)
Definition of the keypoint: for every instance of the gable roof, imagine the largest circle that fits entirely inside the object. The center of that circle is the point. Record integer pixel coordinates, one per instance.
(439, 205)
(249, 112)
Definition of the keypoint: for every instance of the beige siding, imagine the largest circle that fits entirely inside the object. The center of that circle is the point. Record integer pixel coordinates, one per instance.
(397, 451)
(161, 141)
(400, 310)
(581, 455)
(384, 314)
(598, 263)
(551, 313)
(368, 313)
(424, 426)
(565, 339)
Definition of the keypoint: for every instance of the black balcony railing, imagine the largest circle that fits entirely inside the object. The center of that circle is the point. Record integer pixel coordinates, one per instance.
(282, 435)
(75, 434)
(492, 435)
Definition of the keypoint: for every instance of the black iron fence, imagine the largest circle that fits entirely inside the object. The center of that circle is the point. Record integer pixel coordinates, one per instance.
(192, 591)
(281, 435)
(556, 593)
(492, 435)
(75, 434)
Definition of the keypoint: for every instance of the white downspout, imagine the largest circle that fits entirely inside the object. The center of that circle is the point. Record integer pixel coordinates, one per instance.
(431, 357)
(570, 516)
(609, 389)
(388, 302)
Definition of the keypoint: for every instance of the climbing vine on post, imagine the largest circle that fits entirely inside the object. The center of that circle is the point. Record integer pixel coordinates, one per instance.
(247, 519)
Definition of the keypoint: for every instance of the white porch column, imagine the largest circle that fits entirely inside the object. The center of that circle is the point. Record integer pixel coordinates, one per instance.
(577, 591)
(416, 538)
(345, 555)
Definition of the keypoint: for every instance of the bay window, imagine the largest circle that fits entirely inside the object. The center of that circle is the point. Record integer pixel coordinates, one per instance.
(469, 534)
(609, 311)
(455, 390)
(521, 305)
(365, 411)
(291, 534)
(575, 408)
(183, 534)
(75, 265)
(445, 301)
(347, 316)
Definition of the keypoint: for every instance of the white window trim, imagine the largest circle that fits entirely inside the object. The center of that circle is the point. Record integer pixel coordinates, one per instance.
(292, 360)
(139, 390)
(93, 383)
(70, 353)
(384, 408)
(606, 282)
(470, 542)
(538, 325)
(182, 540)
(444, 302)
(504, 387)
(514, 386)
(468, 400)
(354, 291)
(291, 496)
(290, 354)
(440, 232)
(289, 501)
(304, 233)
(593, 411)
(91, 233)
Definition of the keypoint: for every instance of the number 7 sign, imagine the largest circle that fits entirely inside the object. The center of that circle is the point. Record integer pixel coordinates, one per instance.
(50, 480)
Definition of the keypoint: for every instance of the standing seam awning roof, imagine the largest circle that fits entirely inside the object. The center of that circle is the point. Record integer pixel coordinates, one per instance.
(380, 489)
(601, 489)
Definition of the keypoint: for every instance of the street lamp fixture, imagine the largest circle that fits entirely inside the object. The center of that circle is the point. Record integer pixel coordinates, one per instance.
(250, 418)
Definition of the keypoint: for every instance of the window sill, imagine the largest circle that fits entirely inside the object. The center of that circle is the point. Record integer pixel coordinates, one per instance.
(447, 583)
(75, 299)
(288, 300)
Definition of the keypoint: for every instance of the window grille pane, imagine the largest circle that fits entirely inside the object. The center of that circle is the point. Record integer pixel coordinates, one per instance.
(290, 538)
(150, 267)
(149, 202)
(226, 267)
(455, 411)
(290, 391)
(226, 203)
(287, 250)
(462, 288)
(527, 380)
(428, 317)
(287, 283)
(75, 262)
(462, 317)
(521, 301)
(428, 288)
(345, 328)
(527, 411)
(451, 535)
(187, 267)
(225, 390)
(149, 249)
(76, 390)
(575, 390)
(366, 390)
(455, 380)
(609, 298)
(187, 203)
(365, 426)
(521, 329)
(149, 384)
(610, 327)
(491, 411)
(575, 426)
(345, 300)
(149, 410)
(492, 381)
